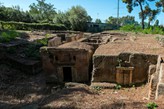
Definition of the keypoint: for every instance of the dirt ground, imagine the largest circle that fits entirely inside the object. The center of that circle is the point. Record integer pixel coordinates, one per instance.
(20, 91)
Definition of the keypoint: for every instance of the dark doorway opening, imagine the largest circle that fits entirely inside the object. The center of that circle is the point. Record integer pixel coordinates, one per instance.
(67, 73)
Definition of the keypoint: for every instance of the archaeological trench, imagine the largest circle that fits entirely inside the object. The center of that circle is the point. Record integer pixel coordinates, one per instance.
(102, 58)
(105, 58)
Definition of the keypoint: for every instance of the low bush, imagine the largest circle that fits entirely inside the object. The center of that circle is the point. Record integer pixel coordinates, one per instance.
(31, 26)
(150, 30)
(154, 30)
(132, 28)
(7, 36)
(117, 87)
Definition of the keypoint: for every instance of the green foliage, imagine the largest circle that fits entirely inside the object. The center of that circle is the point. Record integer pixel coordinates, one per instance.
(31, 26)
(145, 10)
(154, 30)
(150, 30)
(118, 87)
(15, 14)
(156, 23)
(75, 18)
(132, 28)
(98, 21)
(125, 20)
(78, 18)
(97, 88)
(42, 11)
(160, 5)
(42, 15)
(151, 105)
(7, 36)
(62, 18)
(43, 42)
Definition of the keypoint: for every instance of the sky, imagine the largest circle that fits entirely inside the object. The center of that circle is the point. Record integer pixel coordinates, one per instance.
(101, 9)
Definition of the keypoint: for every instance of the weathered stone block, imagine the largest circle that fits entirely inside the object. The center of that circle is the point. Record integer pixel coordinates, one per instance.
(161, 89)
(69, 62)
(104, 67)
(152, 70)
(54, 42)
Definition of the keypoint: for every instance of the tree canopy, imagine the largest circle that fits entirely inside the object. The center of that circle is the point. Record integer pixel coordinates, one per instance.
(98, 21)
(145, 10)
(42, 11)
(125, 20)
(75, 18)
(160, 4)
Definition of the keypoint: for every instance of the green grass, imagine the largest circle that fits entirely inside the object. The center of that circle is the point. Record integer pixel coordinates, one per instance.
(8, 35)
(136, 29)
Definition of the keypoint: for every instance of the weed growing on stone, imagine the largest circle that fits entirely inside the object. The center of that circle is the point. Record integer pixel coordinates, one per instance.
(117, 87)
(151, 105)
(119, 62)
(7, 36)
(97, 88)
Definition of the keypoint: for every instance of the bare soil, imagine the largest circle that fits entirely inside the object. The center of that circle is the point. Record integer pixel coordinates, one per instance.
(133, 43)
(18, 90)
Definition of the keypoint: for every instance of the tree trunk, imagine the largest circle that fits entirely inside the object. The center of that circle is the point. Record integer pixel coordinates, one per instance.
(142, 15)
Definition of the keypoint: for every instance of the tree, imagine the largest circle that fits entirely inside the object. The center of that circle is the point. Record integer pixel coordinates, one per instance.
(141, 3)
(111, 20)
(151, 14)
(42, 12)
(125, 20)
(2, 14)
(14, 13)
(160, 4)
(98, 21)
(156, 23)
(62, 18)
(78, 18)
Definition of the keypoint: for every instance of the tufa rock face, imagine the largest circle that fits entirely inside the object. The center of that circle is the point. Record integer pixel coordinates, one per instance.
(67, 63)
(54, 42)
(104, 67)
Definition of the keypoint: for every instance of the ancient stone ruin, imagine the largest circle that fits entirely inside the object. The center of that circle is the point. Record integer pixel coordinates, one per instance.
(105, 58)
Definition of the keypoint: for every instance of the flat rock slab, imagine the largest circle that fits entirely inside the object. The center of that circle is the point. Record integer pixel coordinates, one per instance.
(103, 85)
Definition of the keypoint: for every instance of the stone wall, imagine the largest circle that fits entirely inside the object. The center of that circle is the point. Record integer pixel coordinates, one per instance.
(54, 59)
(160, 87)
(104, 67)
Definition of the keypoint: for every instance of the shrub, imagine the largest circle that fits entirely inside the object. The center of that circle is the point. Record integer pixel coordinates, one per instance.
(97, 88)
(154, 30)
(150, 30)
(117, 87)
(43, 42)
(151, 105)
(130, 28)
(31, 26)
(7, 36)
